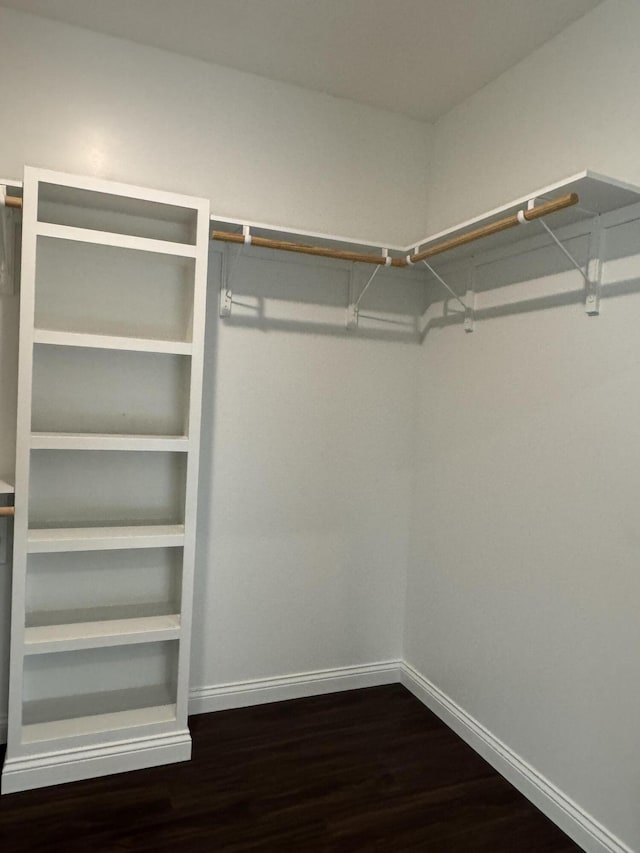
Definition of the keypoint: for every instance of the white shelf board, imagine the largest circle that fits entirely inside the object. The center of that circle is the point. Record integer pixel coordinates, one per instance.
(48, 540)
(109, 238)
(6, 485)
(597, 194)
(99, 441)
(98, 723)
(109, 632)
(80, 339)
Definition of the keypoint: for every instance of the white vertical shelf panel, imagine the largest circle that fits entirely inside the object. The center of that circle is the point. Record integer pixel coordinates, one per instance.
(36, 747)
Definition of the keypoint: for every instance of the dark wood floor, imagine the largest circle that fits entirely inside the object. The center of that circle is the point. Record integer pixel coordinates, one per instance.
(367, 770)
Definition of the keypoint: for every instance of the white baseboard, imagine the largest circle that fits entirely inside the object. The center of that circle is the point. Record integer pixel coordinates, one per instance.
(240, 694)
(55, 768)
(584, 829)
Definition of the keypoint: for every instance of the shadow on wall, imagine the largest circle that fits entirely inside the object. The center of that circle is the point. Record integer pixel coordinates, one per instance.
(276, 291)
(537, 277)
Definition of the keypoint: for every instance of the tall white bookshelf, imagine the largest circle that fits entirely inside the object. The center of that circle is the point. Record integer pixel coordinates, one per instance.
(113, 289)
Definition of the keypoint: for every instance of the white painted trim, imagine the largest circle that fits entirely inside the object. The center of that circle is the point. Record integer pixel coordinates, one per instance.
(241, 694)
(56, 768)
(582, 827)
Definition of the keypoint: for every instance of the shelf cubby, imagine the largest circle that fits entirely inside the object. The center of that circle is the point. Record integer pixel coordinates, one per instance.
(92, 586)
(103, 290)
(102, 391)
(91, 488)
(74, 692)
(116, 213)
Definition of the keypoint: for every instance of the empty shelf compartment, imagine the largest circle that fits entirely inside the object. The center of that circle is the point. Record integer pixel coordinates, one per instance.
(71, 693)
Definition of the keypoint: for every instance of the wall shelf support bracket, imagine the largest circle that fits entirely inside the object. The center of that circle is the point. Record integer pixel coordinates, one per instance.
(468, 311)
(355, 299)
(228, 265)
(594, 269)
(593, 276)
(565, 251)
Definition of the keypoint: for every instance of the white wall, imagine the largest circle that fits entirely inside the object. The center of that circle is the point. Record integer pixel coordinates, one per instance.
(523, 588)
(266, 151)
(521, 599)
(307, 431)
(570, 105)
(306, 480)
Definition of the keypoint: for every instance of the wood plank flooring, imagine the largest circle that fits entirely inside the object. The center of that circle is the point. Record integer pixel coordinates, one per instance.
(367, 770)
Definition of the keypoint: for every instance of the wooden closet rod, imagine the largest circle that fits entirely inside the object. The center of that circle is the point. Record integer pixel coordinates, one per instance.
(536, 212)
(7, 511)
(303, 249)
(507, 222)
(12, 201)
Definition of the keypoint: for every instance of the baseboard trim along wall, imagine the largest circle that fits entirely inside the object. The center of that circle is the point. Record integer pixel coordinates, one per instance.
(584, 829)
(241, 694)
(88, 762)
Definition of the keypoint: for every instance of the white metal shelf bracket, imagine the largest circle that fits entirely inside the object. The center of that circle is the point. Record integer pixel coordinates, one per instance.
(354, 300)
(592, 277)
(468, 311)
(565, 251)
(594, 269)
(228, 266)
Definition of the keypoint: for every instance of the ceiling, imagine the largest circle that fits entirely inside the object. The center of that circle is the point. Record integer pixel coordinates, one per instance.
(416, 57)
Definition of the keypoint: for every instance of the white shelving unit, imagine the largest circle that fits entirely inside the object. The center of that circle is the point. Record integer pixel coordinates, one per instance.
(113, 287)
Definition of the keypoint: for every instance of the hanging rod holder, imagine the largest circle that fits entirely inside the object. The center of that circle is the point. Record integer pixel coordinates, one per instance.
(9, 200)
(468, 313)
(228, 266)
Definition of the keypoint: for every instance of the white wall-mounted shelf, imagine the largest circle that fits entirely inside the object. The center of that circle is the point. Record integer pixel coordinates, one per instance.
(110, 632)
(597, 194)
(49, 540)
(94, 441)
(121, 241)
(112, 342)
